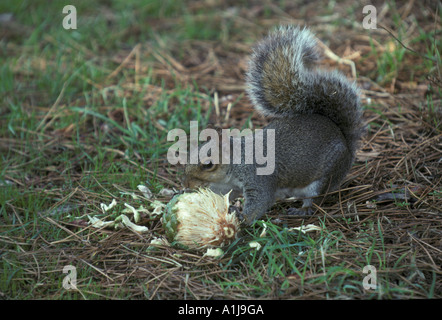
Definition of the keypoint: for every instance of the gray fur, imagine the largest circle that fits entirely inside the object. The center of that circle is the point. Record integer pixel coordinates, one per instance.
(316, 117)
(316, 91)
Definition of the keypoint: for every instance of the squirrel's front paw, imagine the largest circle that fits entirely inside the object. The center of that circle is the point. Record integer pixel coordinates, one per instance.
(304, 211)
(247, 219)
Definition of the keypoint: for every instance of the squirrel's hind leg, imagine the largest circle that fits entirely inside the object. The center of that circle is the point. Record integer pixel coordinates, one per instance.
(308, 193)
(305, 210)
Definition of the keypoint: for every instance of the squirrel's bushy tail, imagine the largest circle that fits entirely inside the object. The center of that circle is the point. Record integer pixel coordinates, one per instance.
(283, 81)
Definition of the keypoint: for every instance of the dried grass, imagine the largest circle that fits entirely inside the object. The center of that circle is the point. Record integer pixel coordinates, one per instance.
(396, 183)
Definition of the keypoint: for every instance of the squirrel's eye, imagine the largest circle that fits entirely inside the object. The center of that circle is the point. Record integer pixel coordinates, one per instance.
(208, 165)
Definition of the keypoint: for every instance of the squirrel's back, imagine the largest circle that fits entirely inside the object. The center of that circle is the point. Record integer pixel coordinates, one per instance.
(317, 122)
(283, 81)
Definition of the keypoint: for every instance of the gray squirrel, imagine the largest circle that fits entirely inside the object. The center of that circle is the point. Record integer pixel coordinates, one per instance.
(317, 118)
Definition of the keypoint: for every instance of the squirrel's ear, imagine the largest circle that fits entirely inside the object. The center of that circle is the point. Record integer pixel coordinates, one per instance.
(219, 130)
(215, 127)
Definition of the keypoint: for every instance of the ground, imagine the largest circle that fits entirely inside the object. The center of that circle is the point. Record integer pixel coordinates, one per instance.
(85, 114)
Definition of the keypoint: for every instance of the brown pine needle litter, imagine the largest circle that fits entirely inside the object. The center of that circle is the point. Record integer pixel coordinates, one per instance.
(68, 148)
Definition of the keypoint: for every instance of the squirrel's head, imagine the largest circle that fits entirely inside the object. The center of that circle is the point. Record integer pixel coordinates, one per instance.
(204, 173)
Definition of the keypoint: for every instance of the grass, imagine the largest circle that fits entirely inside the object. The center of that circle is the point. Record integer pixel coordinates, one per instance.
(84, 118)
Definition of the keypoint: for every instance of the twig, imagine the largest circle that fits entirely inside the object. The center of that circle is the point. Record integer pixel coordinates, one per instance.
(135, 51)
(407, 48)
(55, 105)
(338, 59)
